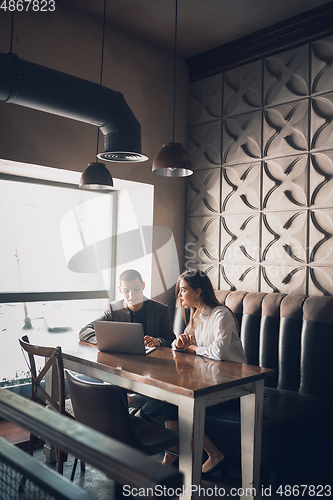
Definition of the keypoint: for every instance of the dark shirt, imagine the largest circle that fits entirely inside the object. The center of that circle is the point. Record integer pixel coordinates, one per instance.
(140, 316)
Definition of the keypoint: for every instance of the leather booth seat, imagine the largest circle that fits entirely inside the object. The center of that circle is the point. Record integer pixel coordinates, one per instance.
(292, 334)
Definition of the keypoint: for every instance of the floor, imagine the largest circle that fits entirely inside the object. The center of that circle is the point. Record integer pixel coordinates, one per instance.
(93, 481)
(102, 488)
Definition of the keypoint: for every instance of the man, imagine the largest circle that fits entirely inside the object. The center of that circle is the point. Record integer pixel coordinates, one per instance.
(134, 307)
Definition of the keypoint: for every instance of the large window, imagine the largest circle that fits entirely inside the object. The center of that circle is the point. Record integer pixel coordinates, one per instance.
(57, 250)
(62, 251)
(54, 238)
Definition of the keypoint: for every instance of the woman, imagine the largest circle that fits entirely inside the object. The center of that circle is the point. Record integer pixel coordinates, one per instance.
(212, 332)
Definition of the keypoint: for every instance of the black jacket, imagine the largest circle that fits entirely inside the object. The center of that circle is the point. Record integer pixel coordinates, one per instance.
(158, 321)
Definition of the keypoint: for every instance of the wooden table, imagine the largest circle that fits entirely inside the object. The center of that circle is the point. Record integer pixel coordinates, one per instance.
(192, 383)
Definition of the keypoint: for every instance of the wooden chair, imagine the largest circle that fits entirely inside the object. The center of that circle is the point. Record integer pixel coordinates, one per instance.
(103, 408)
(57, 402)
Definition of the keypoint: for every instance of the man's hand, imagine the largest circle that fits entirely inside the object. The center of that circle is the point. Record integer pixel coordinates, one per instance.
(151, 341)
(184, 340)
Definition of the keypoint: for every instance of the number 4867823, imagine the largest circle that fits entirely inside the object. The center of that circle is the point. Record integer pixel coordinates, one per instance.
(25, 5)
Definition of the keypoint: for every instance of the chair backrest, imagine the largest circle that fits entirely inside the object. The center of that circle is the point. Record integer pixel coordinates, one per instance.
(54, 359)
(292, 334)
(103, 408)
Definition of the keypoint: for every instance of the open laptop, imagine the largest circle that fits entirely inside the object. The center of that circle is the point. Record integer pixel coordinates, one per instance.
(122, 337)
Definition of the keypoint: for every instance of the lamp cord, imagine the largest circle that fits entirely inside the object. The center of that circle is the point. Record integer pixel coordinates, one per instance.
(12, 34)
(101, 73)
(174, 75)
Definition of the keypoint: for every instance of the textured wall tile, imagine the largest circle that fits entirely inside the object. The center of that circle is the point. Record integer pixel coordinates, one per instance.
(240, 238)
(241, 188)
(322, 68)
(212, 270)
(285, 183)
(204, 145)
(202, 238)
(321, 179)
(286, 76)
(239, 277)
(242, 138)
(260, 204)
(205, 100)
(284, 237)
(283, 279)
(243, 89)
(321, 236)
(203, 192)
(322, 121)
(321, 280)
(286, 129)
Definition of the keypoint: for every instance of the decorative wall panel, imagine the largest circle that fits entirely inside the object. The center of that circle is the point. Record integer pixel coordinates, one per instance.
(321, 280)
(243, 89)
(321, 178)
(321, 236)
(286, 129)
(203, 193)
(240, 238)
(241, 138)
(285, 183)
(321, 121)
(286, 76)
(284, 237)
(202, 238)
(241, 188)
(260, 203)
(284, 279)
(205, 100)
(205, 145)
(322, 68)
(239, 277)
(212, 270)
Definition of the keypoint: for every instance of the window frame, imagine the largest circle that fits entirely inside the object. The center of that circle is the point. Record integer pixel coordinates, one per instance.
(14, 297)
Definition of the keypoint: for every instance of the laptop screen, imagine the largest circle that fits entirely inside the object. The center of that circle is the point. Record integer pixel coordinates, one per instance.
(121, 337)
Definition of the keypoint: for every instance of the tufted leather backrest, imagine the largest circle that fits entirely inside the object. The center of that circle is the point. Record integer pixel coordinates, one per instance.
(293, 334)
(317, 346)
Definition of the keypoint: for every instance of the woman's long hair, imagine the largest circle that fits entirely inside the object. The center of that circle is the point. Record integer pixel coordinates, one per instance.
(198, 279)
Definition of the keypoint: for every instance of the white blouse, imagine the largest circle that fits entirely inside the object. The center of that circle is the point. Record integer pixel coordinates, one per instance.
(215, 333)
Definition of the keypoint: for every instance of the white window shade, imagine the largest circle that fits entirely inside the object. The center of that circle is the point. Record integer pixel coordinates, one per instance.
(41, 227)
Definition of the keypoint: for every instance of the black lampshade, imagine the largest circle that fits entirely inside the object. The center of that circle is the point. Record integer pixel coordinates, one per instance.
(172, 161)
(96, 176)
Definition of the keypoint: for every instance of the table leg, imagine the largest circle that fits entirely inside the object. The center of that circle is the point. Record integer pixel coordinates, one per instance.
(191, 432)
(251, 433)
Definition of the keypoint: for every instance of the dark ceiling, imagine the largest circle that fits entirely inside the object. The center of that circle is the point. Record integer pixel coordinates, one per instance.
(202, 24)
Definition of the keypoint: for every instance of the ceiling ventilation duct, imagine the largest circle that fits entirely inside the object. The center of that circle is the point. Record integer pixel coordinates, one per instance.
(51, 91)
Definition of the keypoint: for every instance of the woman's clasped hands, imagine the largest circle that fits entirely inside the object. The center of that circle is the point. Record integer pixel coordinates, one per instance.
(185, 341)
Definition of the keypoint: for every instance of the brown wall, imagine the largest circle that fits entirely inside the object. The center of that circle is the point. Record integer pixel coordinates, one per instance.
(71, 43)
(260, 203)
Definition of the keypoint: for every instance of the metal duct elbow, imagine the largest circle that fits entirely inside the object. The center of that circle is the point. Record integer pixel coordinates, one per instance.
(51, 91)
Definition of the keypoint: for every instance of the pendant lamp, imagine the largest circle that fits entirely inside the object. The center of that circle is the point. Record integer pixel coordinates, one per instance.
(96, 176)
(172, 160)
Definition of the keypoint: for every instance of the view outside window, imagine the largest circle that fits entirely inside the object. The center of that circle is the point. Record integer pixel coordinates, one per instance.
(42, 228)
(55, 267)
(52, 320)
